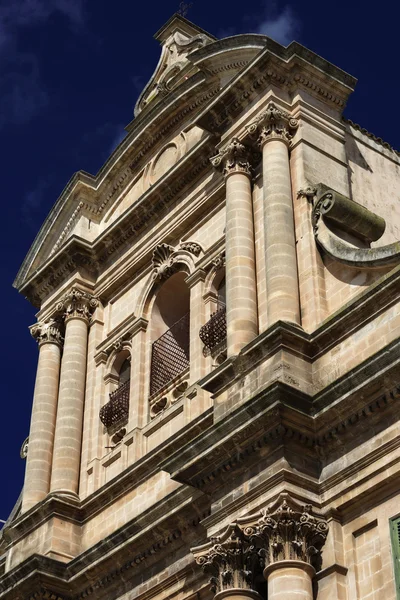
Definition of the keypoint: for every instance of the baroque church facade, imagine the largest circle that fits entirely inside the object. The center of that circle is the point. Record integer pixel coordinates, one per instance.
(216, 407)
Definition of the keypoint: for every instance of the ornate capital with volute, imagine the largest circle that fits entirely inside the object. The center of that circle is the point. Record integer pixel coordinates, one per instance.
(77, 304)
(235, 157)
(289, 531)
(273, 124)
(48, 332)
(231, 560)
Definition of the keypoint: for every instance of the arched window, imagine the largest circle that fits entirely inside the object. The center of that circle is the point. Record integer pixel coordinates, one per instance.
(124, 372)
(170, 332)
(115, 413)
(221, 294)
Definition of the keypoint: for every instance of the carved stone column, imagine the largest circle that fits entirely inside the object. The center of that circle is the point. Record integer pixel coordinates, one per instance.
(292, 539)
(43, 419)
(241, 294)
(77, 307)
(274, 129)
(233, 564)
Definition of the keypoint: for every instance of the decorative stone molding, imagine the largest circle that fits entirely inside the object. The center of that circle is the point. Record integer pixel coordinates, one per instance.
(49, 332)
(232, 560)
(308, 192)
(192, 247)
(289, 531)
(235, 157)
(163, 261)
(273, 124)
(77, 304)
(24, 448)
(219, 261)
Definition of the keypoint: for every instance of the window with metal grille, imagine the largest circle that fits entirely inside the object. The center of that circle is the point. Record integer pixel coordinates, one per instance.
(395, 535)
(170, 355)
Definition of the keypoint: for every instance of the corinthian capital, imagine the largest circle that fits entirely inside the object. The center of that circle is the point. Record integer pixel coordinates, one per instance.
(77, 304)
(230, 559)
(235, 157)
(49, 332)
(273, 124)
(289, 531)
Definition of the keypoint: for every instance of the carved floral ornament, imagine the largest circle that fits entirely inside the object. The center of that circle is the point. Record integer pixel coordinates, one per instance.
(284, 531)
(48, 332)
(166, 258)
(77, 304)
(235, 157)
(273, 124)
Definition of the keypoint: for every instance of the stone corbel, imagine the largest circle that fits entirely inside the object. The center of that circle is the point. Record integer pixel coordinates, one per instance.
(333, 213)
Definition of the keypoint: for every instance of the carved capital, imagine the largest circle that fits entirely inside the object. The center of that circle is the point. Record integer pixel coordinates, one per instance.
(289, 531)
(49, 332)
(77, 304)
(273, 124)
(235, 157)
(231, 560)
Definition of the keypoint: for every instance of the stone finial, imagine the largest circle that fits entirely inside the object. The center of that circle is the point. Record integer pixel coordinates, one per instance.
(273, 124)
(48, 332)
(230, 560)
(77, 304)
(235, 157)
(289, 531)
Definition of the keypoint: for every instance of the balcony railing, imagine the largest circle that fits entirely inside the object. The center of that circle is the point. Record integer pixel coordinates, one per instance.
(116, 411)
(213, 333)
(170, 355)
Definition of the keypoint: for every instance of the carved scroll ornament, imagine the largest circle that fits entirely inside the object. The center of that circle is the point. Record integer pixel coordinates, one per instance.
(77, 304)
(289, 531)
(231, 560)
(48, 332)
(235, 157)
(273, 124)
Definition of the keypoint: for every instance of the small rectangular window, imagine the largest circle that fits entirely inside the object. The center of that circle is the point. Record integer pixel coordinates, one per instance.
(395, 535)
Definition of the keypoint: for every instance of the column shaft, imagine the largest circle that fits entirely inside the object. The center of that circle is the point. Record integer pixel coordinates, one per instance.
(68, 437)
(290, 581)
(43, 421)
(241, 293)
(280, 249)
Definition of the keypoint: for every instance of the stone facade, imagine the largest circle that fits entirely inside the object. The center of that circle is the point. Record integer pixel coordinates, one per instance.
(217, 395)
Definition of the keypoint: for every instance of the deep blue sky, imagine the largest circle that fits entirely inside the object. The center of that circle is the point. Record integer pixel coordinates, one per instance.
(70, 73)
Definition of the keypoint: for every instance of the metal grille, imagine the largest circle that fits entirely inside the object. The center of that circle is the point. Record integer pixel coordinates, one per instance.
(170, 355)
(117, 408)
(213, 333)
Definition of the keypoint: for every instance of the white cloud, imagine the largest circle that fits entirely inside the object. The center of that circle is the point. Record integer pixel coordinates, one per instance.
(282, 27)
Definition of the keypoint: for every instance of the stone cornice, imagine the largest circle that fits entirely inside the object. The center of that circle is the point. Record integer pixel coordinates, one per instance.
(143, 538)
(92, 258)
(290, 68)
(91, 194)
(81, 512)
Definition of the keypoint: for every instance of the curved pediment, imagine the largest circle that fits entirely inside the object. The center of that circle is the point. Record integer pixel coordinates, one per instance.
(178, 37)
